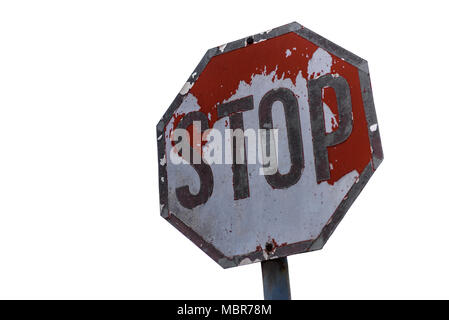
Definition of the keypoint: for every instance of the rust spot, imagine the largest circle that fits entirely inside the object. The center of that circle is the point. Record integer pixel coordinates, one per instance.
(259, 248)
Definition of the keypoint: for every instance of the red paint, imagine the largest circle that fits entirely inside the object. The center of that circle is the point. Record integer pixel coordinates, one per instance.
(222, 75)
(355, 152)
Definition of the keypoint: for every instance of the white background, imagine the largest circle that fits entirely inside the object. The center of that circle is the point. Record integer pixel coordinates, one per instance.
(82, 86)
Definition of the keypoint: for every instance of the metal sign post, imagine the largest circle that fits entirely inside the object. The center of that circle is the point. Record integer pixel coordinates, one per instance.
(276, 282)
(266, 147)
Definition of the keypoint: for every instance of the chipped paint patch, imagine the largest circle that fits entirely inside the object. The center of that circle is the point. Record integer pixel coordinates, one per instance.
(288, 53)
(222, 47)
(373, 127)
(186, 88)
(330, 120)
(163, 161)
(268, 31)
(245, 261)
(319, 64)
(190, 104)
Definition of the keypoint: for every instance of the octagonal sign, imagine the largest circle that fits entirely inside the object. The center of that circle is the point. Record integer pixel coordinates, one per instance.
(267, 145)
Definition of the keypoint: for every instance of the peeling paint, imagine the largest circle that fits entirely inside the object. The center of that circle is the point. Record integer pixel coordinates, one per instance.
(163, 161)
(245, 261)
(186, 88)
(330, 120)
(373, 127)
(266, 32)
(319, 64)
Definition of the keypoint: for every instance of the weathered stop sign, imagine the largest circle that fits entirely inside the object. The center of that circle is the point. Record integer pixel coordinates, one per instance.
(280, 138)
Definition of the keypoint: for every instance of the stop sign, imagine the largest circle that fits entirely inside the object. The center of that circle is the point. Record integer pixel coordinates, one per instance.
(280, 136)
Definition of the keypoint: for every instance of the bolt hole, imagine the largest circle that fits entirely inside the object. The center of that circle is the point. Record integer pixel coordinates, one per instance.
(250, 40)
(269, 247)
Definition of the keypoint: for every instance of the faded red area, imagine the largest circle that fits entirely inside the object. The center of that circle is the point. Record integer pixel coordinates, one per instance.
(221, 77)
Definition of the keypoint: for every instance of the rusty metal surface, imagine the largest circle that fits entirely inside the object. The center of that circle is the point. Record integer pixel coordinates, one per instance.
(297, 209)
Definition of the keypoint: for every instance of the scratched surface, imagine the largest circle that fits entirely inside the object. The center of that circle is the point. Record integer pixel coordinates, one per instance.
(271, 222)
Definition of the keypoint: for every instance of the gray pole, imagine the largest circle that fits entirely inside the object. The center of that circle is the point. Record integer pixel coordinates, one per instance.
(276, 282)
